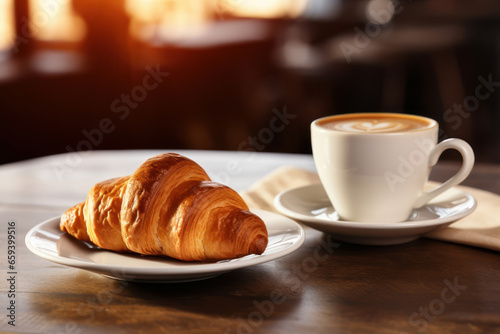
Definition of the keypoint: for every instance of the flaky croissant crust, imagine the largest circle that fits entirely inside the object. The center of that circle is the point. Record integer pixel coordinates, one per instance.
(169, 207)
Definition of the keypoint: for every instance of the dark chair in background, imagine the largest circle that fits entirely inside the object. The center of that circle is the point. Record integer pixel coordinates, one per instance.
(83, 77)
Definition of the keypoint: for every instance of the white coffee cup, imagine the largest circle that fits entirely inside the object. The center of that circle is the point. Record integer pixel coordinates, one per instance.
(373, 166)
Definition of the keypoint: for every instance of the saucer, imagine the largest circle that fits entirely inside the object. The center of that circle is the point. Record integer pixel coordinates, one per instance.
(310, 205)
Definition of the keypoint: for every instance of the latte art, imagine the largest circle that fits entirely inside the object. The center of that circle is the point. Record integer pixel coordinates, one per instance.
(376, 123)
(372, 126)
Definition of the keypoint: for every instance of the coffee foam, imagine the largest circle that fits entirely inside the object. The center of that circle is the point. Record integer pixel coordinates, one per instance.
(370, 124)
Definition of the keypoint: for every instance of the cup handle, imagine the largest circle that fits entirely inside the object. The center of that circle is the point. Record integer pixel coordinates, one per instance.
(468, 162)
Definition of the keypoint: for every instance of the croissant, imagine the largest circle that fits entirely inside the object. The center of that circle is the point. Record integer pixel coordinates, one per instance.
(168, 207)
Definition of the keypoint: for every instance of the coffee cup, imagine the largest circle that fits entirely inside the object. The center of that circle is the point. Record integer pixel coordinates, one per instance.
(373, 166)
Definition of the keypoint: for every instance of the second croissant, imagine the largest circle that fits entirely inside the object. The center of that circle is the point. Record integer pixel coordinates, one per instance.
(168, 207)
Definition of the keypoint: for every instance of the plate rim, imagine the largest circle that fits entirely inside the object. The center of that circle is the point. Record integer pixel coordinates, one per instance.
(314, 221)
(196, 269)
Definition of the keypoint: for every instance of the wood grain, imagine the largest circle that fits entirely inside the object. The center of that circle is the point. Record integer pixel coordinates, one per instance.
(324, 287)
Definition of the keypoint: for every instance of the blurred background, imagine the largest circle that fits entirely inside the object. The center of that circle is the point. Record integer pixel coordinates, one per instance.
(80, 75)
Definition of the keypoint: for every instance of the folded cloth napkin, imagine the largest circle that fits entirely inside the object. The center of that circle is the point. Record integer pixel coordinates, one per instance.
(480, 229)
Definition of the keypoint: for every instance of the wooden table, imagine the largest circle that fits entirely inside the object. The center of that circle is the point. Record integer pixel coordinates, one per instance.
(425, 286)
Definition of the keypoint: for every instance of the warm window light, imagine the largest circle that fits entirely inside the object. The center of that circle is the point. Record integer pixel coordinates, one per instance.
(168, 19)
(148, 11)
(55, 21)
(160, 20)
(264, 8)
(7, 29)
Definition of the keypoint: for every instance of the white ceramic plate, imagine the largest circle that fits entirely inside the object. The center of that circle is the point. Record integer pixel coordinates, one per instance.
(49, 242)
(311, 206)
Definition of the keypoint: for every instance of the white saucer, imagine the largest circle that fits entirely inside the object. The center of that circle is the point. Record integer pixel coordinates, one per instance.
(311, 206)
(49, 242)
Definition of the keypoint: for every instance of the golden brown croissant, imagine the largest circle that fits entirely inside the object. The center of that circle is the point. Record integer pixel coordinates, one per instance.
(168, 206)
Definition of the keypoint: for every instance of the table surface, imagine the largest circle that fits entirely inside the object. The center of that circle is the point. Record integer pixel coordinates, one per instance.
(425, 286)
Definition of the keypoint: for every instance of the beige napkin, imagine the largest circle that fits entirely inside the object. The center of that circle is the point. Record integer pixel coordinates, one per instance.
(480, 229)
